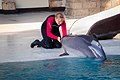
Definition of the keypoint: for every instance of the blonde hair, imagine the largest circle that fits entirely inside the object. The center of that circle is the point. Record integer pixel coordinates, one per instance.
(59, 15)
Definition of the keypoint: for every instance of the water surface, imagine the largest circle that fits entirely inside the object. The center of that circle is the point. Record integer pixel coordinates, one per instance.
(62, 69)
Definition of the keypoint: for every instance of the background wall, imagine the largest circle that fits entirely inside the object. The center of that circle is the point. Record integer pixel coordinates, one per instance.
(82, 8)
(79, 8)
(57, 3)
(107, 4)
(29, 3)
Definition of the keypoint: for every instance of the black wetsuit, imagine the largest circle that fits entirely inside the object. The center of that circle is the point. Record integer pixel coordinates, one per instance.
(50, 33)
(48, 42)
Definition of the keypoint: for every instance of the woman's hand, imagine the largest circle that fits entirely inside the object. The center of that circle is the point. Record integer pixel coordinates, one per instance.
(59, 39)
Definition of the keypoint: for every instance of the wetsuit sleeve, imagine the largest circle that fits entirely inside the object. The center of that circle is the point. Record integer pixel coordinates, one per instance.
(49, 28)
(64, 31)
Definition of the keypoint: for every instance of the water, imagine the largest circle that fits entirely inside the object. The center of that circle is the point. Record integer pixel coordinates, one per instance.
(62, 69)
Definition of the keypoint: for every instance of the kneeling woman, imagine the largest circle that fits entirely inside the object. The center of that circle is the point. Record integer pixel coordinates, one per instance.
(50, 32)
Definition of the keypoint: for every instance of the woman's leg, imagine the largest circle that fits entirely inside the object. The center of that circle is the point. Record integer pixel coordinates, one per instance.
(46, 42)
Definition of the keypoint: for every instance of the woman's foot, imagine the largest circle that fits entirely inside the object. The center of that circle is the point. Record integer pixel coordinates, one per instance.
(35, 43)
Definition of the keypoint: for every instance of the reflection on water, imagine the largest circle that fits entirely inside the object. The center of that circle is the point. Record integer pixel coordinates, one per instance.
(62, 69)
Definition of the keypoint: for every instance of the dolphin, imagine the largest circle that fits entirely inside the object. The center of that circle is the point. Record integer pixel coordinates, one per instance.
(106, 28)
(87, 45)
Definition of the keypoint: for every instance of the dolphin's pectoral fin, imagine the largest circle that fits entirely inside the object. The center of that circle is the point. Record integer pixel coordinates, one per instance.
(64, 54)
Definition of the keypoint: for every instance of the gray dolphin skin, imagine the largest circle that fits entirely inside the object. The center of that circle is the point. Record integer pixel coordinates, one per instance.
(89, 46)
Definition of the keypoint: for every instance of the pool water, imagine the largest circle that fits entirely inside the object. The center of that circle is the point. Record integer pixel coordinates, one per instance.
(62, 69)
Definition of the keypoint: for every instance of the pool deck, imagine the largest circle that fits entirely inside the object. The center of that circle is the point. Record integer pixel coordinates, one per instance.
(16, 34)
(19, 30)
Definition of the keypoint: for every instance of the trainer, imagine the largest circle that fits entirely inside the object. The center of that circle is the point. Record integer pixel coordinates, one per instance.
(50, 32)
